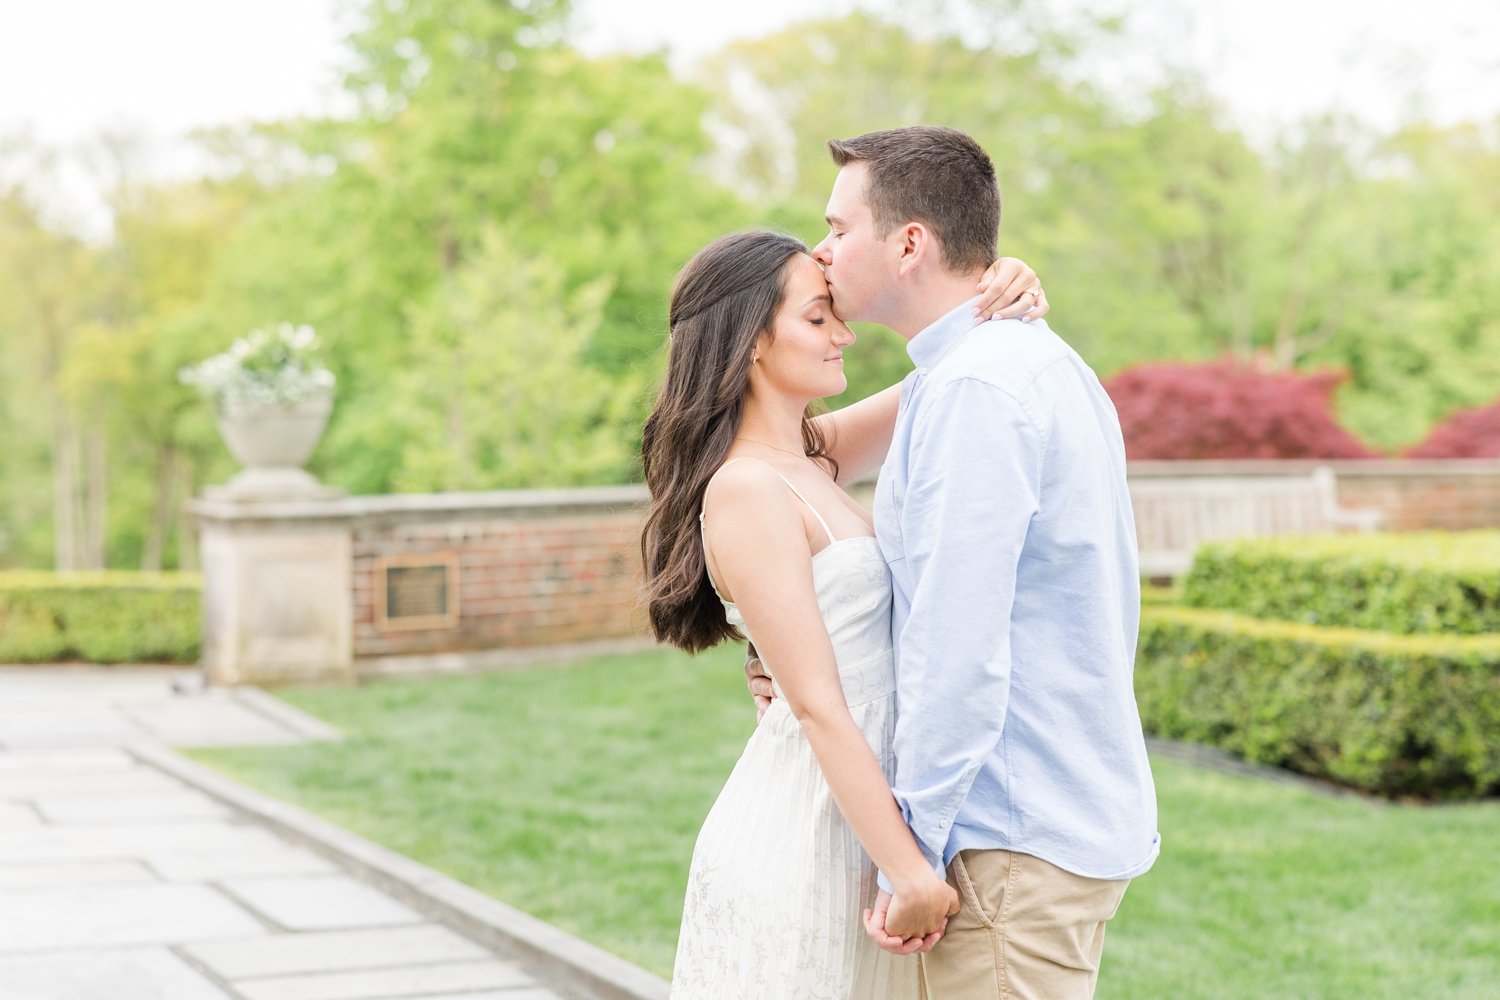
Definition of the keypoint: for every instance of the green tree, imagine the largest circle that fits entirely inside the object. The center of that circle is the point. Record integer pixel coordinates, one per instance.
(474, 116)
(1428, 237)
(119, 373)
(486, 247)
(52, 480)
(504, 398)
(1160, 230)
(1082, 184)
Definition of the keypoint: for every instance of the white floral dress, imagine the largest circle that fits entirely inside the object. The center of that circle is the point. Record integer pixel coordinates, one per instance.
(778, 879)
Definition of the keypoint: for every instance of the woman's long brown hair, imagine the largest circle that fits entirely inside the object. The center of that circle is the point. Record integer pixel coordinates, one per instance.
(724, 299)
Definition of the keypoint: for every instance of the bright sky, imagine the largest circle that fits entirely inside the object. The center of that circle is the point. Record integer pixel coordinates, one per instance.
(69, 68)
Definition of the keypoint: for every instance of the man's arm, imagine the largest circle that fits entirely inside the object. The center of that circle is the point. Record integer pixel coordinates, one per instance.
(974, 484)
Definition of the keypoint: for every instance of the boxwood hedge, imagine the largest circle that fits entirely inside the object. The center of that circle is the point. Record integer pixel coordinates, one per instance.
(99, 617)
(1396, 715)
(1412, 584)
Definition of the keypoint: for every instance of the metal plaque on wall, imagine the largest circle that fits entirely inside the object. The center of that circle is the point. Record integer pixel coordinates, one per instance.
(416, 591)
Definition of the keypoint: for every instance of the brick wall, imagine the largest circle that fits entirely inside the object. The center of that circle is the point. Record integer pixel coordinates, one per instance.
(1437, 497)
(533, 569)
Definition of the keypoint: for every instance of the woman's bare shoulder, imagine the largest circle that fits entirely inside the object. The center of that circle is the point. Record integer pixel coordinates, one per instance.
(741, 478)
(749, 492)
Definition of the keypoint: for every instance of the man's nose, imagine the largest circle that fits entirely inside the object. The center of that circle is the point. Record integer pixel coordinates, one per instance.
(821, 254)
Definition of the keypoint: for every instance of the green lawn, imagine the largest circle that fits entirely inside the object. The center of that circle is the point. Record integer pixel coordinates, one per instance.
(575, 793)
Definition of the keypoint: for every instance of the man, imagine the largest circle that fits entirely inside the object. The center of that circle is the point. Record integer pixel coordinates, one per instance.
(1003, 513)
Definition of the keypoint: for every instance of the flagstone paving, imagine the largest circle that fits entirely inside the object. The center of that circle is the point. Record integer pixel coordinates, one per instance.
(121, 882)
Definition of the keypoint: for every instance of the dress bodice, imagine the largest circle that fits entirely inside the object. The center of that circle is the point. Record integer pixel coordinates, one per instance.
(853, 586)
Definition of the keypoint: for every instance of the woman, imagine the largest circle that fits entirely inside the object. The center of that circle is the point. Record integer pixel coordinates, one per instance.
(750, 532)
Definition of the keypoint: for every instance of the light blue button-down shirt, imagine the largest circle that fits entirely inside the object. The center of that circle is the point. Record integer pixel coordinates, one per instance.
(1003, 512)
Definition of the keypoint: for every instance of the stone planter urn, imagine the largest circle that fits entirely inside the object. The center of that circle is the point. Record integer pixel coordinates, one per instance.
(273, 442)
(275, 543)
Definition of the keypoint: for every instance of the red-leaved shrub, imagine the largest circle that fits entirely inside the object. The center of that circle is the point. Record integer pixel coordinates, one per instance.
(1229, 409)
(1467, 434)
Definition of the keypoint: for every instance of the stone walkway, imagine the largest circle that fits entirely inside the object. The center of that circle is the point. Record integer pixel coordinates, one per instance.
(118, 881)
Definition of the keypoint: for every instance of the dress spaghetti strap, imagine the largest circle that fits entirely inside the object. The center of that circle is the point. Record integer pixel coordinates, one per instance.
(799, 496)
(795, 492)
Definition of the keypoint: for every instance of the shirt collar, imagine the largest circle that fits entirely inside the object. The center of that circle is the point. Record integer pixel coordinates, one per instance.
(928, 347)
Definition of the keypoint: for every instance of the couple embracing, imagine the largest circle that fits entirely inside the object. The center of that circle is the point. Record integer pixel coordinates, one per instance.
(948, 793)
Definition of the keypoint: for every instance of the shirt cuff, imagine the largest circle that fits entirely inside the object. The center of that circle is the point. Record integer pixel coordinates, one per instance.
(939, 869)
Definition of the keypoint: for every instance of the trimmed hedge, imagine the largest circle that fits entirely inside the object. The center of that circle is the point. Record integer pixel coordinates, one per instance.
(100, 617)
(1395, 715)
(1154, 594)
(1410, 584)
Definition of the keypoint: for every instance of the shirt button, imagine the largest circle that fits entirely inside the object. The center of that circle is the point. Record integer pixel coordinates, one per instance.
(922, 370)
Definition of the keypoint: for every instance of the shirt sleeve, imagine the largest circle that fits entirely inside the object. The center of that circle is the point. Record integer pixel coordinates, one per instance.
(974, 484)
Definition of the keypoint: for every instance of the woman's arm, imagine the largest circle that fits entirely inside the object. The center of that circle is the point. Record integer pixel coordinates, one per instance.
(859, 435)
(759, 553)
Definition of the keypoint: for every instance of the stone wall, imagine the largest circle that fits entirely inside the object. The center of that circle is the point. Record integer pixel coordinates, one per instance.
(1414, 495)
(342, 587)
(303, 589)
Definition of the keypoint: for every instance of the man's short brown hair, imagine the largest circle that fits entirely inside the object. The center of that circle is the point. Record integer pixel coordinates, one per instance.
(934, 175)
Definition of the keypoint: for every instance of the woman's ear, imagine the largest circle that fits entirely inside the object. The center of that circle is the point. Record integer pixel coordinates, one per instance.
(760, 341)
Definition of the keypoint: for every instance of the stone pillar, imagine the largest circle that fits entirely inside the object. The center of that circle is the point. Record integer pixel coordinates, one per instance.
(277, 602)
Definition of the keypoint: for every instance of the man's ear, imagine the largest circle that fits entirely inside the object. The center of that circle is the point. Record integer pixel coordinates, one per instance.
(916, 245)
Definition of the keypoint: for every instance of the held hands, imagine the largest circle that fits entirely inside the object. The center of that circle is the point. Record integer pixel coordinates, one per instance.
(1010, 284)
(915, 920)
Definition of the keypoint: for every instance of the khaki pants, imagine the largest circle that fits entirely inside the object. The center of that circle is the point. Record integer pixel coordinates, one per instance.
(1026, 930)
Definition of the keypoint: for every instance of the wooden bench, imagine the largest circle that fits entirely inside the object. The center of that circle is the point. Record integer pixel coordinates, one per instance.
(1176, 514)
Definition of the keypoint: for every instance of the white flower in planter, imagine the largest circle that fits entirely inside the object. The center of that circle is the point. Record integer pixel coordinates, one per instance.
(280, 368)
